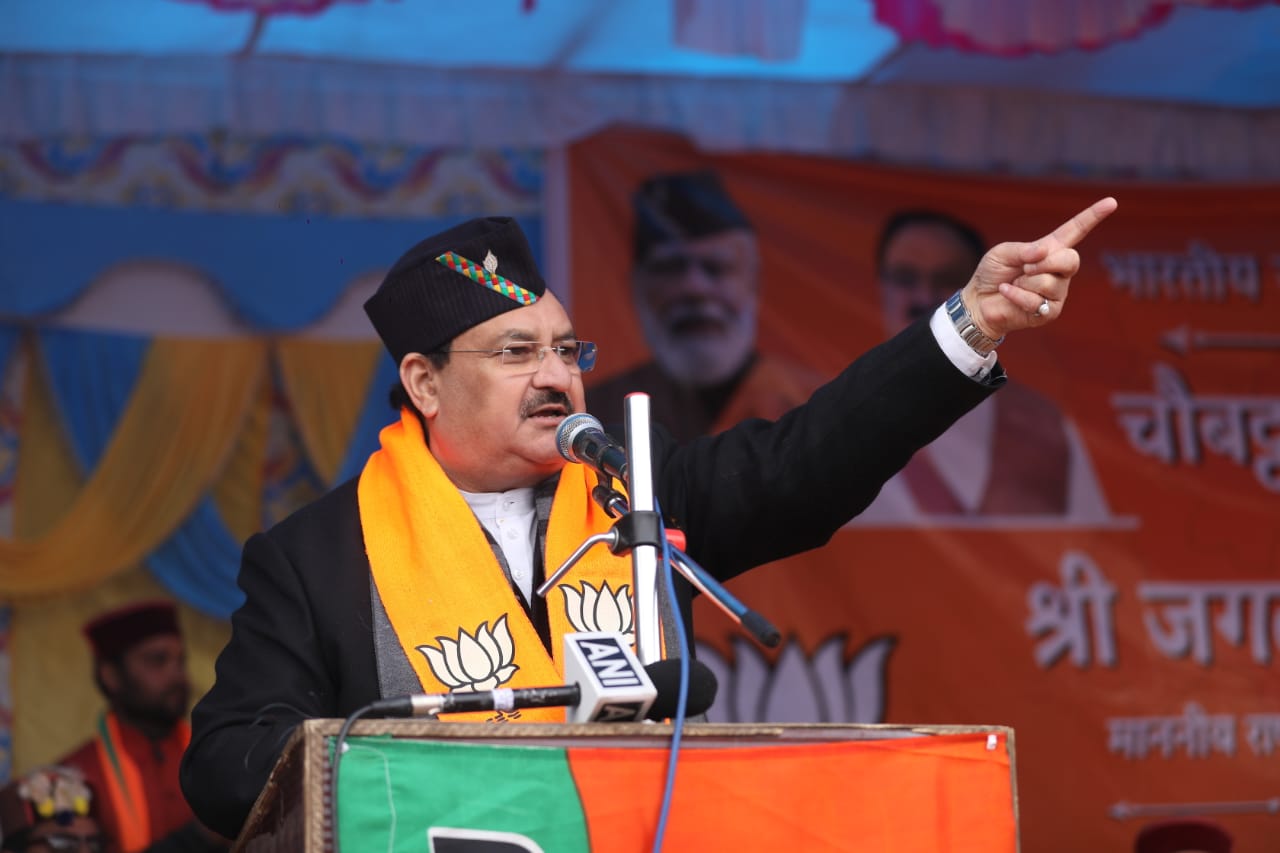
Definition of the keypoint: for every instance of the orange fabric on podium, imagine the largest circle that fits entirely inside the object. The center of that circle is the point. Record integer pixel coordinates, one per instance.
(947, 792)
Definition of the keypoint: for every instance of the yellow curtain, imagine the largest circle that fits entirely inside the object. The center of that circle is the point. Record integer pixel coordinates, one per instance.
(45, 459)
(238, 492)
(183, 418)
(327, 383)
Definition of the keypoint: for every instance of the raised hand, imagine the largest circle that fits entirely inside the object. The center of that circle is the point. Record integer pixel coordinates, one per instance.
(1015, 282)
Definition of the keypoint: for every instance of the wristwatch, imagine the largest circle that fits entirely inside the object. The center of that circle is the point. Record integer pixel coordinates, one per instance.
(967, 329)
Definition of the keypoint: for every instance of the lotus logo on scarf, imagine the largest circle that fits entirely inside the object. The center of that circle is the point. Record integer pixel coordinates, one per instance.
(602, 609)
(824, 688)
(479, 661)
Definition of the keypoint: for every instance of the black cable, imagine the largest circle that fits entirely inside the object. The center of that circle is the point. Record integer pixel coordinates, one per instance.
(333, 772)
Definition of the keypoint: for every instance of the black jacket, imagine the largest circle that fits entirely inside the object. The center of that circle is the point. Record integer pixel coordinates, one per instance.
(302, 643)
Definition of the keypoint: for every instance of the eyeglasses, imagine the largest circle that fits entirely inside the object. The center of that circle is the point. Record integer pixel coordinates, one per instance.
(578, 355)
(68, 842)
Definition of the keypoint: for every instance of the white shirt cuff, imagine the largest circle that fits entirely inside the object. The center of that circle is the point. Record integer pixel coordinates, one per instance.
(960, 354)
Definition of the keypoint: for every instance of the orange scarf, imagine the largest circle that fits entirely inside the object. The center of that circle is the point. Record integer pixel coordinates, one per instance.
(124, 782)
(452, 608)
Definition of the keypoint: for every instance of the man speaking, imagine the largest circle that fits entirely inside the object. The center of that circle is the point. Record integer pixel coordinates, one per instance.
(418, 576)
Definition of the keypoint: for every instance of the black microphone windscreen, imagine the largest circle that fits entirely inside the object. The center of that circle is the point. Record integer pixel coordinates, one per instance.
(665, 675)
(569, 429)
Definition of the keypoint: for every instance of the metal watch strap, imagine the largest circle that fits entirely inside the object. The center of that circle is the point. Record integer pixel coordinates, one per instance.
(967, 329)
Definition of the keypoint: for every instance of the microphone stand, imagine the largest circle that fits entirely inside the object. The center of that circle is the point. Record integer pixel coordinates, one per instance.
(618, 540)
(644, 555)
(640, 532)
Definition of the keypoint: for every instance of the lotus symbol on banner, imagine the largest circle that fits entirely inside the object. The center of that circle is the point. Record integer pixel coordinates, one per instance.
(602, 609)
(482, 661)
(823, 688)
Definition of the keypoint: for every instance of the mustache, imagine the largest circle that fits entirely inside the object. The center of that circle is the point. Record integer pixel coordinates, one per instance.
(697, 317)
(685, 310)
(546, 398)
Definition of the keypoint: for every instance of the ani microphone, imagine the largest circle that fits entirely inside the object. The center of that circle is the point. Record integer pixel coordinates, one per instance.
(605, 684)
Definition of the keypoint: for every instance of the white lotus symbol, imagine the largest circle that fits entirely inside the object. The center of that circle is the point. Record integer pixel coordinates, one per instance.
(598, 609)
(471, 663)
(820, 689)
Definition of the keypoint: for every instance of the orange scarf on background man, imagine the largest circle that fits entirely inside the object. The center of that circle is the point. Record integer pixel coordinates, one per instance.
(456, 615)
(125, 790)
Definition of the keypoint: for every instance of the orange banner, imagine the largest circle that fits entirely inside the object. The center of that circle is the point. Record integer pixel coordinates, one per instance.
(943, 792)
(1092, 557)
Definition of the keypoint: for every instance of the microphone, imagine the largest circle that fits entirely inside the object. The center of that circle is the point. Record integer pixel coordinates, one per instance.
(615, 687)
(606, 683)
(666, 677)
(581, 438)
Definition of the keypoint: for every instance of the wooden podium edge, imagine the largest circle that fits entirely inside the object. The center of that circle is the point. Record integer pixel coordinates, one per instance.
(278, 822)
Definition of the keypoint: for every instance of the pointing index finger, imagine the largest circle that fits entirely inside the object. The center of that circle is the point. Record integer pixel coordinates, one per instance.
(1074, 229)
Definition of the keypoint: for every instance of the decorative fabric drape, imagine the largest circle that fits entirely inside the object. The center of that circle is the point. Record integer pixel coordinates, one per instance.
(238, 493)
(102, 391)
(330, 385)
(182, 418)
(373, 417)
(91, 376)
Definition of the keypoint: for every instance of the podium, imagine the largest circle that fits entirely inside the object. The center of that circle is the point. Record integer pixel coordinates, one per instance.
(560, 788)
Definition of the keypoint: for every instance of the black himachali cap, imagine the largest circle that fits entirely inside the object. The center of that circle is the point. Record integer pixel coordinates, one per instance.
(683, 206)
(113, 633)
(452, 281)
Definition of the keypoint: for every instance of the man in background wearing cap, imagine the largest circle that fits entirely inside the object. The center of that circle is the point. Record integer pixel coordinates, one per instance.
(419, 575)
(139, 665)
(695, 285)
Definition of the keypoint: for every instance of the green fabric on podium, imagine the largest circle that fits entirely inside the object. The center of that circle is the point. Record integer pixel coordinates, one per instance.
(390, 792)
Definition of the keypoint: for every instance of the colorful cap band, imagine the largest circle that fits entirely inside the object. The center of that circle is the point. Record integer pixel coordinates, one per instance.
(487, 276)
